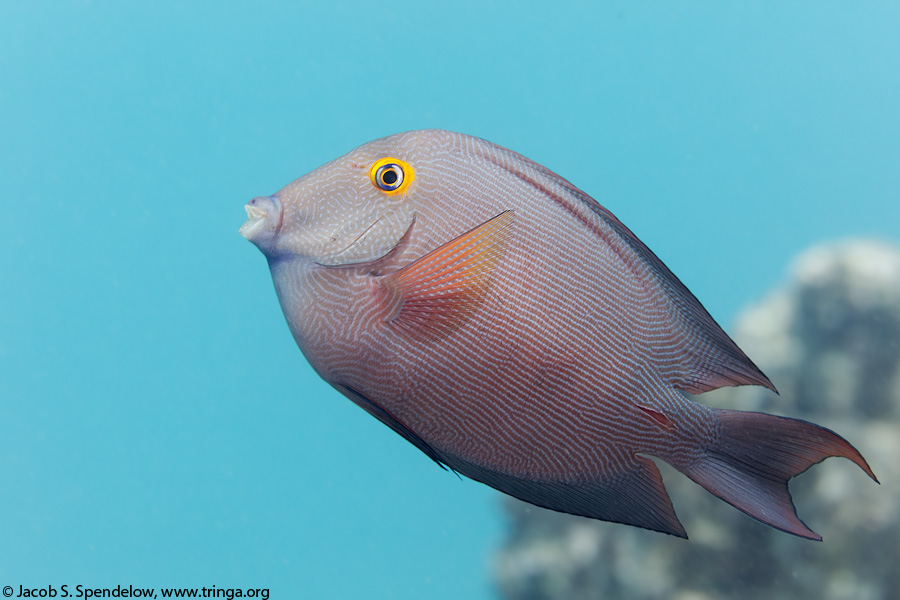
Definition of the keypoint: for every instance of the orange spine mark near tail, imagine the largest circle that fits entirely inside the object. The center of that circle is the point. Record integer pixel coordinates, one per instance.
(756, 454)
(658, 417)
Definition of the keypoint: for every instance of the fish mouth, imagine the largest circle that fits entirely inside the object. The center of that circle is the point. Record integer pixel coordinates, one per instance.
(264, 214)
(256, 221)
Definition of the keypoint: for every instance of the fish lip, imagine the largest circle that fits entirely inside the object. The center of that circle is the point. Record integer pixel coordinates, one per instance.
(256, 222)
(264, 215)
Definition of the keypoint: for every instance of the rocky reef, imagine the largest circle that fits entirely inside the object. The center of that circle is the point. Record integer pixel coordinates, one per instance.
(830, 341)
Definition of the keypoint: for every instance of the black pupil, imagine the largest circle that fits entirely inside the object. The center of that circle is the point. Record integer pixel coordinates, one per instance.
(389, 176)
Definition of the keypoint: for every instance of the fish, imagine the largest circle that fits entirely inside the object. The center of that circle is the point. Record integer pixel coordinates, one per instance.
(516, 332)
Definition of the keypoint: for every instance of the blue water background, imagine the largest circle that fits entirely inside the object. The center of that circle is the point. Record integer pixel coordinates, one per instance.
(158, 426)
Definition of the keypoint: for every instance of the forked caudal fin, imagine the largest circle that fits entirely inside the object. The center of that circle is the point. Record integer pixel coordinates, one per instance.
(756, 454)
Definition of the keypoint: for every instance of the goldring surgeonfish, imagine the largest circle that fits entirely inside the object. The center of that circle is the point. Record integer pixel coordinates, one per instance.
(515, 331)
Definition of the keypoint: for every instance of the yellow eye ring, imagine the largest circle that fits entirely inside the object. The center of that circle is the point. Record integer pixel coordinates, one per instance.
(391, 175)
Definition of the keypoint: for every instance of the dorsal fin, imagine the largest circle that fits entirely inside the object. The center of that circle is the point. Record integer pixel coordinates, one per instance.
(707, 366)
(711, 358)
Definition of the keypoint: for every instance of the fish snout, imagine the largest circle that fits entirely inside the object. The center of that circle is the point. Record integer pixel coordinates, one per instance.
(264, 218)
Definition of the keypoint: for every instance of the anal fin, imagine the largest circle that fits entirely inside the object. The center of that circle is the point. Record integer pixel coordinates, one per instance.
(635, 496)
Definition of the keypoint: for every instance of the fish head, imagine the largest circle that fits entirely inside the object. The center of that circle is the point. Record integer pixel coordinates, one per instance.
(352, 210)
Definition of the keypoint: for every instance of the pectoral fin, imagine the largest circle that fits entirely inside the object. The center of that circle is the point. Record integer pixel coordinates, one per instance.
(437, 293)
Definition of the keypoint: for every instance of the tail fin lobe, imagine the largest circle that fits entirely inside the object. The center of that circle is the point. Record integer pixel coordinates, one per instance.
(756, 454)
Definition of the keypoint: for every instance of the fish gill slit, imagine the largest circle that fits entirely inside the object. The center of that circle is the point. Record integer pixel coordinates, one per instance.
(359, 237)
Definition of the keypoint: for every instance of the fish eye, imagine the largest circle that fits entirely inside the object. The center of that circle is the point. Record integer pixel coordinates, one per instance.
(391, 175)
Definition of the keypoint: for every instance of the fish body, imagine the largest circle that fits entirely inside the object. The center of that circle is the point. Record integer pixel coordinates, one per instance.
(515, 331)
